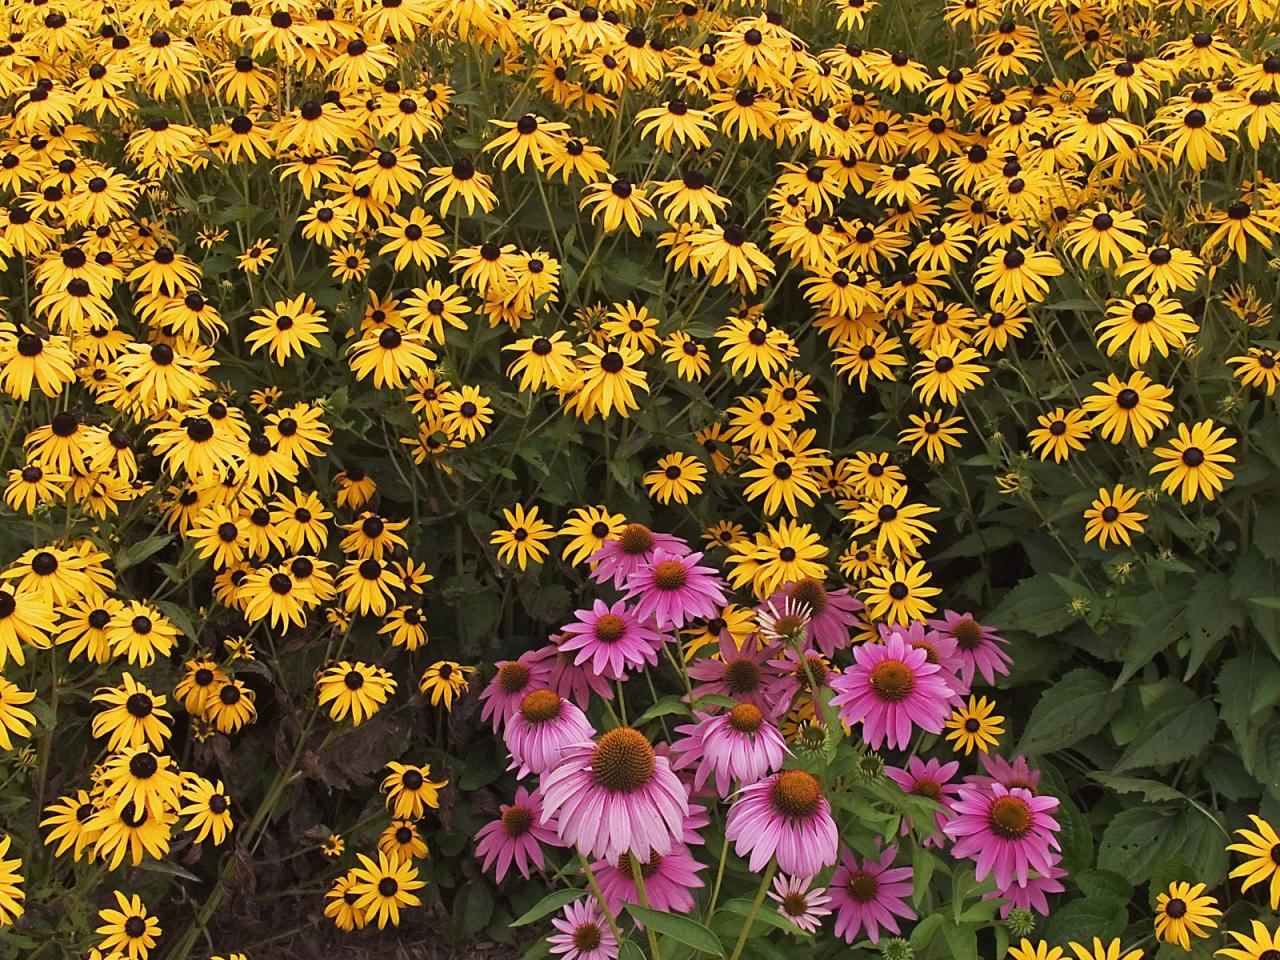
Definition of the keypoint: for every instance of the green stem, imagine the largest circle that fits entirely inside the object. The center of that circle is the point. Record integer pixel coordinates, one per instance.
(638, 877)
(755, 909)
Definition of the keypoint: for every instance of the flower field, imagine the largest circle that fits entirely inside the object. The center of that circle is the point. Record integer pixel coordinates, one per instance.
(527, 479)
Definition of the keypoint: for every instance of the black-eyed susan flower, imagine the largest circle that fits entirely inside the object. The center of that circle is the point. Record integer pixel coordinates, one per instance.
(127, 930)
(355, 689)
(1195, 461)
(1111, 517)
(1183, 912)
(677, 477)
(1136, 405)
(974, 725)
(524, 538)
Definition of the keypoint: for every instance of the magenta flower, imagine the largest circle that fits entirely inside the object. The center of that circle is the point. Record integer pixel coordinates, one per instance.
(615, 796)
(540, 730)
(618, 559)
(802, 906)
(832, 613)
(786, 816)
(611, 639)
(979, 647)
(1032, 895)
(930, 779)
(573, 682)
(940, 650)
(789, 675)
(870, 896)
(516, 837)
(513, 680)
(697, 820)
(737, 673)
(889, 689)
(738, 745)
(1008, 832)
(669, 880)
(1019, 773)
(584, 933)
(674, 589)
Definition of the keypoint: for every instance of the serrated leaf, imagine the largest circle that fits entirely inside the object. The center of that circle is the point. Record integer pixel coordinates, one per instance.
(132, 554)
(1077, 706)
(1171, 731)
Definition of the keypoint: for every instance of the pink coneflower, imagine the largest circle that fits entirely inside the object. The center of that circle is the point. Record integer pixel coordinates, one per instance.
(513, 680)
(697, 820)
(674, 589)
(611, 639)
(870, 896)
(1008, 831)
(786, 816)
(784, 621)
(939, 649)
(832, 613)
(669, 880)
(794, 673)
(573, 682)
(1019, 773)
(615, 796)
(738, 745)
(890, 688)
(803, 907)
(516, 837)
(584, 934)
(1032, 895)
(979, 647)
(735, 672)
(539, 731)
(618, 559)
(930, 779)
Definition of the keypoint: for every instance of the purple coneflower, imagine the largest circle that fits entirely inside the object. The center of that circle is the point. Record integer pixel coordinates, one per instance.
(513, 680)
(572, 681)
(1019, 773)
(833, 613)
(890, 688)
(615, 796)
(784, 620)
(870, 896)
(697, 820)
(669, 880)
(979, 647)
(618, 559)
(735, 672)
(737, 745)
(674, 589)
(1008, 831)
(612, 639)
(794, 672)
(803, 907)
(786, 816)
(516, 837)
(930, 779)
(584, 934)
(539, 731)
(1032, 895)
(939, 649)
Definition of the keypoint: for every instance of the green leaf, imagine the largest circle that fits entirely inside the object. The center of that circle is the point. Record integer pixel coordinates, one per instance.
(1133, 842)
(767, 915)
(1152, 790)
(1037, 605)
(925, 931)
(133, 554)
(552, 902)
(962, 941)
(1171, 731)
(179, 617)
(1082, 920)
(1077, 706)
(686, 931)
(664, 708)
(472, 908)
